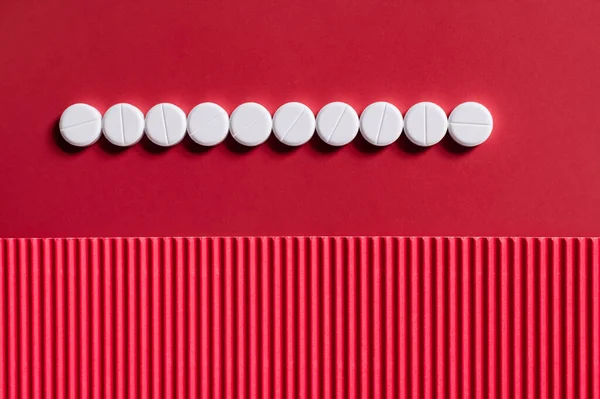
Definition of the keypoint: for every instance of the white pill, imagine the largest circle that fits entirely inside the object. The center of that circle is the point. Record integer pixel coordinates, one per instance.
(337, 124)
(165, 124)
(250, 124)
(381, 123)
(294, 124)
(80, 125)
(123, 125)
(208, 124)
(470, 124)
(425, 124)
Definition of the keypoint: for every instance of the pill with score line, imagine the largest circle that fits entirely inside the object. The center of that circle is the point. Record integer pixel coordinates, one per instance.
(123, 125)
(208, 124)
(337, 124)
(381, 123)
(425, 124)
(250, 124)
(166, 124)
(80, 125)
(294, 124)
(470, 124)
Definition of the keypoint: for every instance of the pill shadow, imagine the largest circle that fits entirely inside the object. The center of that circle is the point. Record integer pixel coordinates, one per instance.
(61, 143)
(110, 148)
(453, 147)
(237, 148)
(277, 146)
(195, 148)
(322, 147)
(362, 145)
(152, 148)
(409, 147)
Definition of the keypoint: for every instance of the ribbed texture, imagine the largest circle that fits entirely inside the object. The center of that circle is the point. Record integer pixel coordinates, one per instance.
(300, 318)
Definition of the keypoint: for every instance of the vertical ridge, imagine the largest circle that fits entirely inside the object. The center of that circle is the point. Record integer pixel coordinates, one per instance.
(256, 332)
(289, 321)
(583, 336)
(480, 295)
(302, 307)
(96, 327)
(376, 317)
(466, 327)
(353, 319)
(557, 320)
(440, 330)
(182, 344)
(531, 311)
(167, 319)
(389, 319)
(571, 314)
(60, 339)
(415, 322)
(205, 368)
(505, 322)
(85, 316)
(596, 318)
(13, 364)
(132, 332)
(403, 316)
(216, 310)
(121, 262)
(4, 325)
(228, 310)
(36, 317)
(193, 331)
(144, 309)
(24, 318)
(278, 390)
(364, 333)
(242, 331)
(156, 303)
(518, 278)
(453, 332)
(265, 321)
(545, 320)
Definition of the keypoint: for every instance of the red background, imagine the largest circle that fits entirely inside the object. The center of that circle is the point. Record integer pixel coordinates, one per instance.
(535, 65)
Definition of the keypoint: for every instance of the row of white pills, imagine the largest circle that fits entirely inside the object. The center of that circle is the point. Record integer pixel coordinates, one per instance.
(250, 124)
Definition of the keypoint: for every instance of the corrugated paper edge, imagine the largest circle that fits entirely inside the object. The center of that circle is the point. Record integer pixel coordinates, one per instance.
(314, 317)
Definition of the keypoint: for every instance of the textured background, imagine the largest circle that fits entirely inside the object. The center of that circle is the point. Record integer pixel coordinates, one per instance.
(380, 317)
(534, 64)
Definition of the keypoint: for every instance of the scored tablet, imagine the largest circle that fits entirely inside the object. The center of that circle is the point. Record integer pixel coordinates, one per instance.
(425, 124)
(381, 123)
(123, 125)
(165, 124)
(294, 124)
(208, 124)
(80, 125)
(470, 124)
(337, 124)
(250, 124)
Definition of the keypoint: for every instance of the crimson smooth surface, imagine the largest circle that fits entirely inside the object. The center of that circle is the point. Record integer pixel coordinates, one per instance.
(534, 65)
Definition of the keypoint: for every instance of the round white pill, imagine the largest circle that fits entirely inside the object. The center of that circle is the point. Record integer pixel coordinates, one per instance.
(381, 123)
(208, 124)
(294, 124)
(425, 124)
(250, 124)
(337, 124)
(123, 125)
(165, 124)
(80, 125)
(470, 124)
